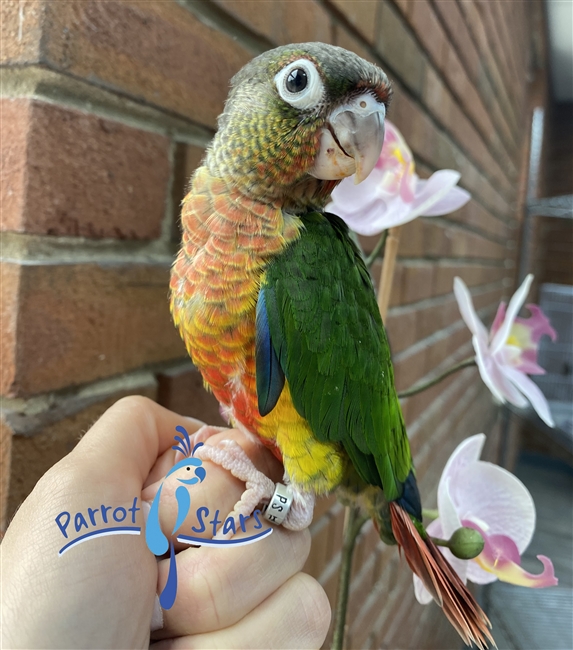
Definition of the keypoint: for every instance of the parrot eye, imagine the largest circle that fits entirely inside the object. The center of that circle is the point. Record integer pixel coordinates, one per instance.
(296, 80)
(300, 85)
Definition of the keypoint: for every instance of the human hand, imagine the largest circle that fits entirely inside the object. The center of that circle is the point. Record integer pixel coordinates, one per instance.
(101, 593)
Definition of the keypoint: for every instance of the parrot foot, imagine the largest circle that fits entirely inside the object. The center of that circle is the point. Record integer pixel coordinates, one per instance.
(230, 455)
(301, 511)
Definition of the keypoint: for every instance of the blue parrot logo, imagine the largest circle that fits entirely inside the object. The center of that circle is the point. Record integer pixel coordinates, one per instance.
(156, 540)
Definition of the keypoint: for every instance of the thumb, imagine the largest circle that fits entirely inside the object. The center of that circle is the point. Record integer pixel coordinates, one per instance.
(123, 445)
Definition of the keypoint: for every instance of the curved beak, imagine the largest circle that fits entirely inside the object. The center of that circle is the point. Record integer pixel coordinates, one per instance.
(352, 142)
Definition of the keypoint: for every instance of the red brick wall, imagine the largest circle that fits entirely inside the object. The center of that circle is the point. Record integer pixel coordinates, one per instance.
(107, 107)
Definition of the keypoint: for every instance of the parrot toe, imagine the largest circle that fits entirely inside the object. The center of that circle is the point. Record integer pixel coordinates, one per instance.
(301, 511)
(259, 488)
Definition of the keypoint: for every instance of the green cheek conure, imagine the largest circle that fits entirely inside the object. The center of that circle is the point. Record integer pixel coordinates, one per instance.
(277, 309)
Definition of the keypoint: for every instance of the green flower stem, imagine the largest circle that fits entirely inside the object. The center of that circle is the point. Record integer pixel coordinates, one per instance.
(466, 363)
(440, 542)
(379, 247)
(354, 522)
(430, 514)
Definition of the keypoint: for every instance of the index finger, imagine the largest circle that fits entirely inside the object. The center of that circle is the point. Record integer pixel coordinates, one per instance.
(127, 440)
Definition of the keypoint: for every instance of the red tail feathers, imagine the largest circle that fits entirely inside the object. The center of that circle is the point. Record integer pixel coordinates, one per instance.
(441, 581)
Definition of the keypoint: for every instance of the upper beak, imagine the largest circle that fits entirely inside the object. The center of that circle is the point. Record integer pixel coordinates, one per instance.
(353, 140)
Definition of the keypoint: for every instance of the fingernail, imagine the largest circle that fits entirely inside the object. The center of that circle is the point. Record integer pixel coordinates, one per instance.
(157, 616)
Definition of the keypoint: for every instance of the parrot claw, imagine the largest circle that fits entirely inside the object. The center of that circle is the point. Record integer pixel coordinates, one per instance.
(259, 488)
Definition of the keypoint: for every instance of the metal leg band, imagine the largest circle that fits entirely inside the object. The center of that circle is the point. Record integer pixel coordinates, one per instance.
(279, 505)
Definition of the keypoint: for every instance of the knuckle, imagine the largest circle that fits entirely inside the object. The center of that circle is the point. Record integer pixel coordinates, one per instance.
(313, 602)
(132, 404)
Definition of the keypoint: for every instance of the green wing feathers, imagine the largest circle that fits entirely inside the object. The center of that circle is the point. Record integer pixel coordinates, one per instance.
(327, 333)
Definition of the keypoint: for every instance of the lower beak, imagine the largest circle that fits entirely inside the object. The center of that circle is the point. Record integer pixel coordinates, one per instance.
(352, 142)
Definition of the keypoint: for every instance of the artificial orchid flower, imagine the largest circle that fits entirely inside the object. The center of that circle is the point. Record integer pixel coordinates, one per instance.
(494, 502)
(393, 194)
(508, 353)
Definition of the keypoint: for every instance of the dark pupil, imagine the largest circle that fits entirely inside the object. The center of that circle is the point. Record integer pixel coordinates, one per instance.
(296, 80)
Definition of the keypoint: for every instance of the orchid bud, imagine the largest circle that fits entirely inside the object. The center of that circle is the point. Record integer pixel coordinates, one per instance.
(466, 543)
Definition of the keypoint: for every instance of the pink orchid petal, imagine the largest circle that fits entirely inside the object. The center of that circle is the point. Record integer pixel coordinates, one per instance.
(532, 393)
(350, 199)
(468, 451)
(397, 213)
(467, 310)
(498, 320)
(490, 374)
(408, 184)
(528, 363)
(449, 518)
(537, 323)
(491, 498)
(492, 369)
(503, 546)
(392, 194)
(366, 221)
(439, 194)
(513, 308)
(423, 596)
(478, 576)
(511, 572)
(501, 558)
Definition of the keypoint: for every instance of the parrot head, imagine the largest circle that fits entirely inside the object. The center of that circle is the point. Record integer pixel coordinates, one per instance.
(299, 119)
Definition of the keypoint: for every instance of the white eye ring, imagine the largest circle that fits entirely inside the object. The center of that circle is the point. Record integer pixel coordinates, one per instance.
(309, 96)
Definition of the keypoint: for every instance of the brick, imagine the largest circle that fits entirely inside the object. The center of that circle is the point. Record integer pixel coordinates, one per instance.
(472, 275)
(13, 154)
(84, 175)
(324, 505)
(439, 351)
(399, 49)
(318, 557)
(180, 389)
(259, 16)
(96, 321)
(417, 281)
(412, 240)
(335, 530)
(401, 329)
(5, 462)
(417, 128)
(20, 31)
(344, 39)
(362, 14)
(10, 283)
(330, 584)
(436, 96)
(457, 30)
(367, 542)
(429, 32)
(156, 51)
(409, 324)
(186, 159)
(409, 369)
(32, 456)
(303, 22)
